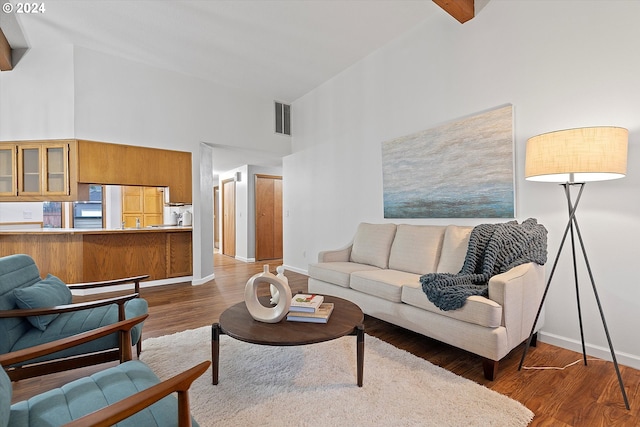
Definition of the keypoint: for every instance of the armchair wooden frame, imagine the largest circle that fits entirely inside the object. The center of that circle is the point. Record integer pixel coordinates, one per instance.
(122, 409)
(42, 368)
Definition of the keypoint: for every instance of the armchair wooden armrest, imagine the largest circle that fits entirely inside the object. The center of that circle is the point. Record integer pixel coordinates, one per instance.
(92, 285)
(124, 326)
(124, 408)
(71, 307)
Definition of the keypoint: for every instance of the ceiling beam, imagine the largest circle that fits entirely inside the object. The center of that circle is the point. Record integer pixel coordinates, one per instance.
(5, 53)
(462, 10)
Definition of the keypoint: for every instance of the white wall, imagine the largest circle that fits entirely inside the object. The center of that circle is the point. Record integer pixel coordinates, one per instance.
(561, 64)
(36, 97)
(21, 212)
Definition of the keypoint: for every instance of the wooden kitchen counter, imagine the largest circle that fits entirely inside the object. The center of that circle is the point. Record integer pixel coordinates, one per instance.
(88, 255)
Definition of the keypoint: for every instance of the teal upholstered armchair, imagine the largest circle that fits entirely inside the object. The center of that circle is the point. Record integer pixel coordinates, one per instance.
(129, 394)
(35, 311)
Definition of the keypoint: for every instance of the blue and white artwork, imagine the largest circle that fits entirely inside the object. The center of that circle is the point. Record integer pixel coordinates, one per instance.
(461, 169)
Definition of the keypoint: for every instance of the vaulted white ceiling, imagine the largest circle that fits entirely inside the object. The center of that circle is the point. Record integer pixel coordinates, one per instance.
(277, 48)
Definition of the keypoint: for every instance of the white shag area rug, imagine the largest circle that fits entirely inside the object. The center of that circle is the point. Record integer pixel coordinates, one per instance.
(315, 385)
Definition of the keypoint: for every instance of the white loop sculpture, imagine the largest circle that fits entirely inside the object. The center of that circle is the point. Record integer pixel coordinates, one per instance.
(258, 311)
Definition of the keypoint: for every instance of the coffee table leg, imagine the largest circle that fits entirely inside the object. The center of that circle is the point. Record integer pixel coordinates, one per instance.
(360, 352)
(215, 352)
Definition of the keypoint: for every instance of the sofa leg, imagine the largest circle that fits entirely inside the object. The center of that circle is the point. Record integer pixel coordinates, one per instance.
(490, 368)
(534, 340)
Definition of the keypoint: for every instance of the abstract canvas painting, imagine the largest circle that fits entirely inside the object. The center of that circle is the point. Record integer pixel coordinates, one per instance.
(461, 169)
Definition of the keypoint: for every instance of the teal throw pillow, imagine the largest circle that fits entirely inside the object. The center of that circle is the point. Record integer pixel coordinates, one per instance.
(46, 293)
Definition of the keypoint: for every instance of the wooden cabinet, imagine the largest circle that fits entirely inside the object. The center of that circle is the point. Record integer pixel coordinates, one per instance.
(117, 164)
(152, 206)
(142, 203)
(43, 169)
(37, 171)
(88, 256)
(62, 170)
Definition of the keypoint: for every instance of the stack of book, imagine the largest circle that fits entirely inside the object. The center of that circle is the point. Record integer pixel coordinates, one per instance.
(309, 308)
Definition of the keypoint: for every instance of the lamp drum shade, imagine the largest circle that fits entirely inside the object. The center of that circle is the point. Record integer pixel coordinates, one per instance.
(577, 155)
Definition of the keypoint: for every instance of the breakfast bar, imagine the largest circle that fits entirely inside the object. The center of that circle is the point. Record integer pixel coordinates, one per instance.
(88, 255)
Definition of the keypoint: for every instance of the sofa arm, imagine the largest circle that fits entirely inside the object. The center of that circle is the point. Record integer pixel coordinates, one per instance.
(519, 292)
(337, 255)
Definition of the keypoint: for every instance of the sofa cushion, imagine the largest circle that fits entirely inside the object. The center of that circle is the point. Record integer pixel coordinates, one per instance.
(337, 273)
(88, 394)
(372, 243)
(5, 397)
(454, 249)
(477, 310)
(386, 284)
(49, 292)
(416, 248)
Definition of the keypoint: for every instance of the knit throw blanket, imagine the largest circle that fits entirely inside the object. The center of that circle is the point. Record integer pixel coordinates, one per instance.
(493, 249)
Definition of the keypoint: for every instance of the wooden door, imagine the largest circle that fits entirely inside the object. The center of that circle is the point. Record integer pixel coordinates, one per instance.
(229, 218)
(268, 217)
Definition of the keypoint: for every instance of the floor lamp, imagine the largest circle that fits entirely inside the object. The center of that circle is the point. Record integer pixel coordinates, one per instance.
(573, 157)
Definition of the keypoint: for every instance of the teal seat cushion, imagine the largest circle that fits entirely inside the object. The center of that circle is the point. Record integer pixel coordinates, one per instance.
(5, 398)
(48, 292)
(68, 324)
(86, 395)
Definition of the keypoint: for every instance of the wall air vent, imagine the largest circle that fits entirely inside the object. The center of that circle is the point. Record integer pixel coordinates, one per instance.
(283, 118)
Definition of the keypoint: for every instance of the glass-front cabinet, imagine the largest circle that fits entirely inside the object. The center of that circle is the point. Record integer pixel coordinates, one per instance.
(29, 170)
(34, 170)
(43, 169)
(8, 178)
(56, 169)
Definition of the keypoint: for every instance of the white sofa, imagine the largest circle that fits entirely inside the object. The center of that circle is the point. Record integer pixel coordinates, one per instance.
(380, 271)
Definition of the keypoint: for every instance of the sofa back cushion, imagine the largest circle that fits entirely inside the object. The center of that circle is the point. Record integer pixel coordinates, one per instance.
(16, 271)
(454, 249)
(416, 248)
(372, 243)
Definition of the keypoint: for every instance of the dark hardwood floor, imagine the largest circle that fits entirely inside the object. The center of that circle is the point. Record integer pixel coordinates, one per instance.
(577, 396)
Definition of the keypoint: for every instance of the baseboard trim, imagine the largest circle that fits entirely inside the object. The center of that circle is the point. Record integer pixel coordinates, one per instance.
(202, 281)
(296, 270)
(129, 287)
(600, 352)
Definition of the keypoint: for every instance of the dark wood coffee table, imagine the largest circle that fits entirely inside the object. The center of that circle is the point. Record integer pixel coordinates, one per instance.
(236, 322)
